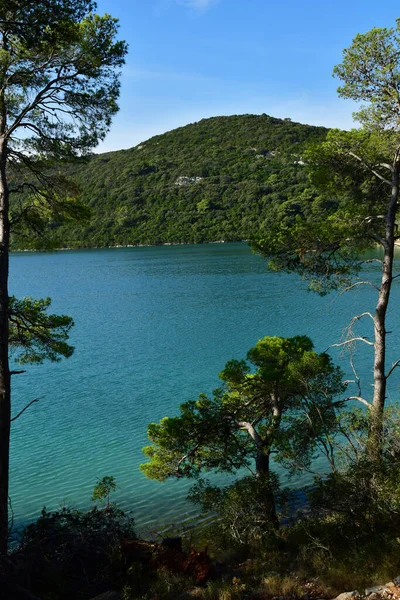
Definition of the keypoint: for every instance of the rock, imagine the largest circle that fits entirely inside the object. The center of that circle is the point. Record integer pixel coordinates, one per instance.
(348, 595)
(375, 589)
(199, 565)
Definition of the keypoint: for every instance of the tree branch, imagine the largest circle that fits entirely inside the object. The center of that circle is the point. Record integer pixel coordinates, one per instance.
(252, 432)
(392, 368)
(38, 99)
(355, 339)
(376, 173)
(24, 409)
(386, 165)
(358, 283)
(358, 398)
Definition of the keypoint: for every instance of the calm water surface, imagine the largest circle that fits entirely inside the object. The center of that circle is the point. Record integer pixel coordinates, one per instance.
(154, 327)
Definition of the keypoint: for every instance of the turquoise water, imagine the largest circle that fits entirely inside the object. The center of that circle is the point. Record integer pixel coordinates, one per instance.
(154, 326)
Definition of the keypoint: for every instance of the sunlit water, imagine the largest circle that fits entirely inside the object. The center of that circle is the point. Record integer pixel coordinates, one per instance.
(153, 328)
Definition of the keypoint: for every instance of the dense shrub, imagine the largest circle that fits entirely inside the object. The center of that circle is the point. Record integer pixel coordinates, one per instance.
(69, 550)
(242, 510)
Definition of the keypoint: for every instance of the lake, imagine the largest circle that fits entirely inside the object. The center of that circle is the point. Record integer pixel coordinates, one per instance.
(153, 328)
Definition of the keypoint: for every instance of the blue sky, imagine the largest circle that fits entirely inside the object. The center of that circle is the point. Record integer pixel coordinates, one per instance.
(191, 59)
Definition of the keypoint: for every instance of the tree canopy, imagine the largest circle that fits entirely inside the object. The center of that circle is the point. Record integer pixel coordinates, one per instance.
(279, 401)
(59, 63)
(35, 335)
(59, 84)
(359, 173)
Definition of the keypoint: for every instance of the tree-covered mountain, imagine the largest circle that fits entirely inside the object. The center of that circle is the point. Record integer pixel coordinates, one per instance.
(213, 180)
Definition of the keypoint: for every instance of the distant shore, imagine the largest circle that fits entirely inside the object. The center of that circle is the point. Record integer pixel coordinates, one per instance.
(129, 246)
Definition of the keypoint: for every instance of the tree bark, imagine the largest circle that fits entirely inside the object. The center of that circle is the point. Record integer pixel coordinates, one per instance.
(263, 471)
(378, 402)
(5, 396)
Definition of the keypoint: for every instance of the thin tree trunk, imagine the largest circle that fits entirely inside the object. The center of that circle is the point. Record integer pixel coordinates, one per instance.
(378, 402)
(5, 399)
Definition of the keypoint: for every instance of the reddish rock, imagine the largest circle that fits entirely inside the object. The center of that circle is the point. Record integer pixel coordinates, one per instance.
(199, 565)
(170, 557)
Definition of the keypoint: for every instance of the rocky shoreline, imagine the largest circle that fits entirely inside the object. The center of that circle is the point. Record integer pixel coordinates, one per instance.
(388, 591)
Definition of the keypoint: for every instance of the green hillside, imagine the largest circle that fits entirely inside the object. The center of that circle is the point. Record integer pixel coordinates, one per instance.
(212, 180)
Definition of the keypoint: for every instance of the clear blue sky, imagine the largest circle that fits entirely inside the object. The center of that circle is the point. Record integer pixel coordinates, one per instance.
(191, 59)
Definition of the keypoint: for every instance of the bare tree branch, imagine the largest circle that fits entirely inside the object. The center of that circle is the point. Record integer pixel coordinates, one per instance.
(24, 409)
(357, 284)
(392, 368)
(386, 165)
(376, 173)
(359, 399)
(355, 339)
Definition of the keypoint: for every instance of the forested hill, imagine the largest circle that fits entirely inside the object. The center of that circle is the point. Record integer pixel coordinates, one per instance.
(212, 180)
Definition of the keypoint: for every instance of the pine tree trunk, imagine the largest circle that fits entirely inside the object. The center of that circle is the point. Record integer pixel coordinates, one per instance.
(380, 377)
(5, 399)
(263, 470)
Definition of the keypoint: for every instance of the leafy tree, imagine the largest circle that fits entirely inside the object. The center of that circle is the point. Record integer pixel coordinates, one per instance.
(103, 489)
(279, 409)
(351, 509)
(35, 335)
(359, 172)
(58, 93)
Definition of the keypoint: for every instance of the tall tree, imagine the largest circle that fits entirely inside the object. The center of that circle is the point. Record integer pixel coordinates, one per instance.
(59, 84)
(279, 409)
(361, 171)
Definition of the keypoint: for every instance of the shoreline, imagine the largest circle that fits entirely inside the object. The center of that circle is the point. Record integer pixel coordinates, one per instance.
(66, 248)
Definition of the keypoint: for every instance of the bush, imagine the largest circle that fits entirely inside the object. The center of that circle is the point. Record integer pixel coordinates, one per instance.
(242, 509)
(70, 550)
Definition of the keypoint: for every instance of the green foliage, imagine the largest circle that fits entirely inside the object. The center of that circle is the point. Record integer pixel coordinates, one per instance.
(352, 171)
(70, 63)
(370, 71)
(69, 550)
(242, 510)
(251, 415)
(246, 165)
(59, 79)
(278, 402)
(323, 240)
(364, 505)
(34, 215)
(35, 335)
(103, 489)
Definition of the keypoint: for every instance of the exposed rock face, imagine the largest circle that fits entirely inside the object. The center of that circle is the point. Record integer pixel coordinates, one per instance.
(348, 595)
(182, 180)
